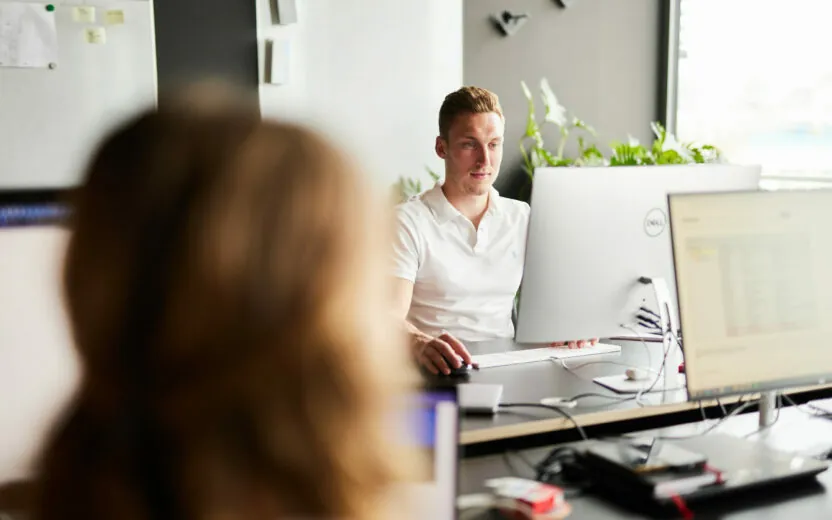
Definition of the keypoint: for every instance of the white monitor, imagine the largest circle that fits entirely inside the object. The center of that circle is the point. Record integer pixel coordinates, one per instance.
(754, 272)
(38, 366)
(593, 233)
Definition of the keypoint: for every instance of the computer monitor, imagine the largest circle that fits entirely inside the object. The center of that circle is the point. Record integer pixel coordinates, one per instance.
(754, 274)
(593, 233)
(432, 429)
(37, 362)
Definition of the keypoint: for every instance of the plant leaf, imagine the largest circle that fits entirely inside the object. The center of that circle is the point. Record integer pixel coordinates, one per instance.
(433, 174)
(555, 112)
(551, 160)
(578, 123)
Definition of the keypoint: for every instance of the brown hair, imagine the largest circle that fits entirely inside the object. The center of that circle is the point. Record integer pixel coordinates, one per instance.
(227, 303)
(466, 100)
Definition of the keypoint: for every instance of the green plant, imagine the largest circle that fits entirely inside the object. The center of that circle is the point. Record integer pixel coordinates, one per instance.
(537, 155)
(664, 149)
(408, 187)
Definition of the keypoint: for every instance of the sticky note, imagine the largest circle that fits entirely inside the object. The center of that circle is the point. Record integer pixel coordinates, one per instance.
(97, 35)
(114, 17)
(83, 14)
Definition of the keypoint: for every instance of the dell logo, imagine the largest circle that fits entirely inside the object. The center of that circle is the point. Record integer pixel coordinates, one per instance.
(655, 222)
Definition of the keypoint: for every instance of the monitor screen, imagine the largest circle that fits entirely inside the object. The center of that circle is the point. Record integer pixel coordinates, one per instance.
(431, 428)
(20, 208)
(37, 361)
(755, 289)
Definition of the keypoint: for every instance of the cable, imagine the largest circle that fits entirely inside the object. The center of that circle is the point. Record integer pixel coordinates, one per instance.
(823, 415)
(655, 381)
(524, 460)
(663, 369)
(602, 396)
(709, 429)
(510, 465)
(512, 468)
(640, 338)
(572, 369)
(563, 468)
(562, 412)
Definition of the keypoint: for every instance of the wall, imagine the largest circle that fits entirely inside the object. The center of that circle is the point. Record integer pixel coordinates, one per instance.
(205, 38)
(601, 58)
(372, 74)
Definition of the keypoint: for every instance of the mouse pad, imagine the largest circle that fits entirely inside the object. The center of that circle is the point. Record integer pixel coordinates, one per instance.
(622, 385)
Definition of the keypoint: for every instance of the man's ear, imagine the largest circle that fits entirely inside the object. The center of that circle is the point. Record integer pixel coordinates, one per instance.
(441, 147)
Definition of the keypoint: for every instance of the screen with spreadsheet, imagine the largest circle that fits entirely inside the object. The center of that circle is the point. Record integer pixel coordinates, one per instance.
(754, 277)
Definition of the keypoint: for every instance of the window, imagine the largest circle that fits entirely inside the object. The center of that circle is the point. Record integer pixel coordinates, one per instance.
(755, 79)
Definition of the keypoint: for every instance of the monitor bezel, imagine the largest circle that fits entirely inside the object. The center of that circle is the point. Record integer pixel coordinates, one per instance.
(36, 197)
(751, 388)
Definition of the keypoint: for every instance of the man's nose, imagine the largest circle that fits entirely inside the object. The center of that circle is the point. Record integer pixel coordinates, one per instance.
(483, 159)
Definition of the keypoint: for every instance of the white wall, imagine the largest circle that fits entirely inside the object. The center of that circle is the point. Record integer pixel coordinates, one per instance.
(372, 74)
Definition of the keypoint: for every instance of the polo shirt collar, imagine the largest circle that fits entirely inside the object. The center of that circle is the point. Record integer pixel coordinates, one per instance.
(444, 211)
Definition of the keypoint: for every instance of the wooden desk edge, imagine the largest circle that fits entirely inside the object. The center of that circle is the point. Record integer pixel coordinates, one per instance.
(601, 417)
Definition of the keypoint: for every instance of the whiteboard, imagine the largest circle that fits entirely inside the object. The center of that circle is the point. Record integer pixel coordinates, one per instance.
(51, 120)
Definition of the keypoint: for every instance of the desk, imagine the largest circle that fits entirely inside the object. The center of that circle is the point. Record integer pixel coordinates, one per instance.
(530, 382)
(795, 431)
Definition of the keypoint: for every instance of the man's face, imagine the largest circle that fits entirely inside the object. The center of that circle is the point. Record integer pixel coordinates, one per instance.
(472, 152)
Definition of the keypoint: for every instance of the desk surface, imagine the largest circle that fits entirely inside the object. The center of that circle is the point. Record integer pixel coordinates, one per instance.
(796, 431)
(530, 382)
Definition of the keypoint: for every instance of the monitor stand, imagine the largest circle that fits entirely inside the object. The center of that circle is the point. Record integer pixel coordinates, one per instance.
(665, 379)
(768, 409)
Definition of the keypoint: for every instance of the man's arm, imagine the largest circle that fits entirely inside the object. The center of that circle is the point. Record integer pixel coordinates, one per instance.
(429, 352)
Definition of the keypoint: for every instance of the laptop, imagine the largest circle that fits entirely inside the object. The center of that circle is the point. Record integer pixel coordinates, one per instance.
(432, 428)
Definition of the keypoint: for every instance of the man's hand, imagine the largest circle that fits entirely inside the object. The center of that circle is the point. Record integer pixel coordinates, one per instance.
(440, 354)
(581, 343)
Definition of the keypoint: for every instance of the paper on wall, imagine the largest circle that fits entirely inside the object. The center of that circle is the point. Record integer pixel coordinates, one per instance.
(115, 17)
(96, 35)
(28, 37)
(83, 14)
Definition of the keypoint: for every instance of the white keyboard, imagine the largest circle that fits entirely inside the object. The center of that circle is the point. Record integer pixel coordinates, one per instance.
(532, 355)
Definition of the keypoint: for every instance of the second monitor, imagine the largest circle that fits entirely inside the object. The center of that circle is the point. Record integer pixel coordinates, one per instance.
(593, 233)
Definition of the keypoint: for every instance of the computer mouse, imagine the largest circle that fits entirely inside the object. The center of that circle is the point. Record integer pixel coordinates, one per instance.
(457, 372)
(635, 374)
(462, 371)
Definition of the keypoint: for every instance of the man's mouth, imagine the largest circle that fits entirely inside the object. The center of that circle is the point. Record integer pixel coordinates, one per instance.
(479, 175)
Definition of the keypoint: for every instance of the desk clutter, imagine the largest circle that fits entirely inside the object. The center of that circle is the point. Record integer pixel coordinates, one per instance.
(652, 476)
(517, 498)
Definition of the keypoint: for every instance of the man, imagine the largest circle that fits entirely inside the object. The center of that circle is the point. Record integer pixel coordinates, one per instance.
(460, 246)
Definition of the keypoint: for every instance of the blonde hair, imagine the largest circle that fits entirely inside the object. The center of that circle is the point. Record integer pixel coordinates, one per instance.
(227, 301)
(466, 100)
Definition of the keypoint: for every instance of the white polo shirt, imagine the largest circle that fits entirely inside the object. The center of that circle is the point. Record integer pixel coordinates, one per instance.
(464, 278)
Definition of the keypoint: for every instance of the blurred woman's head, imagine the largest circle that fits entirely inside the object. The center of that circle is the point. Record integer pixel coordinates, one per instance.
(227, 295)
